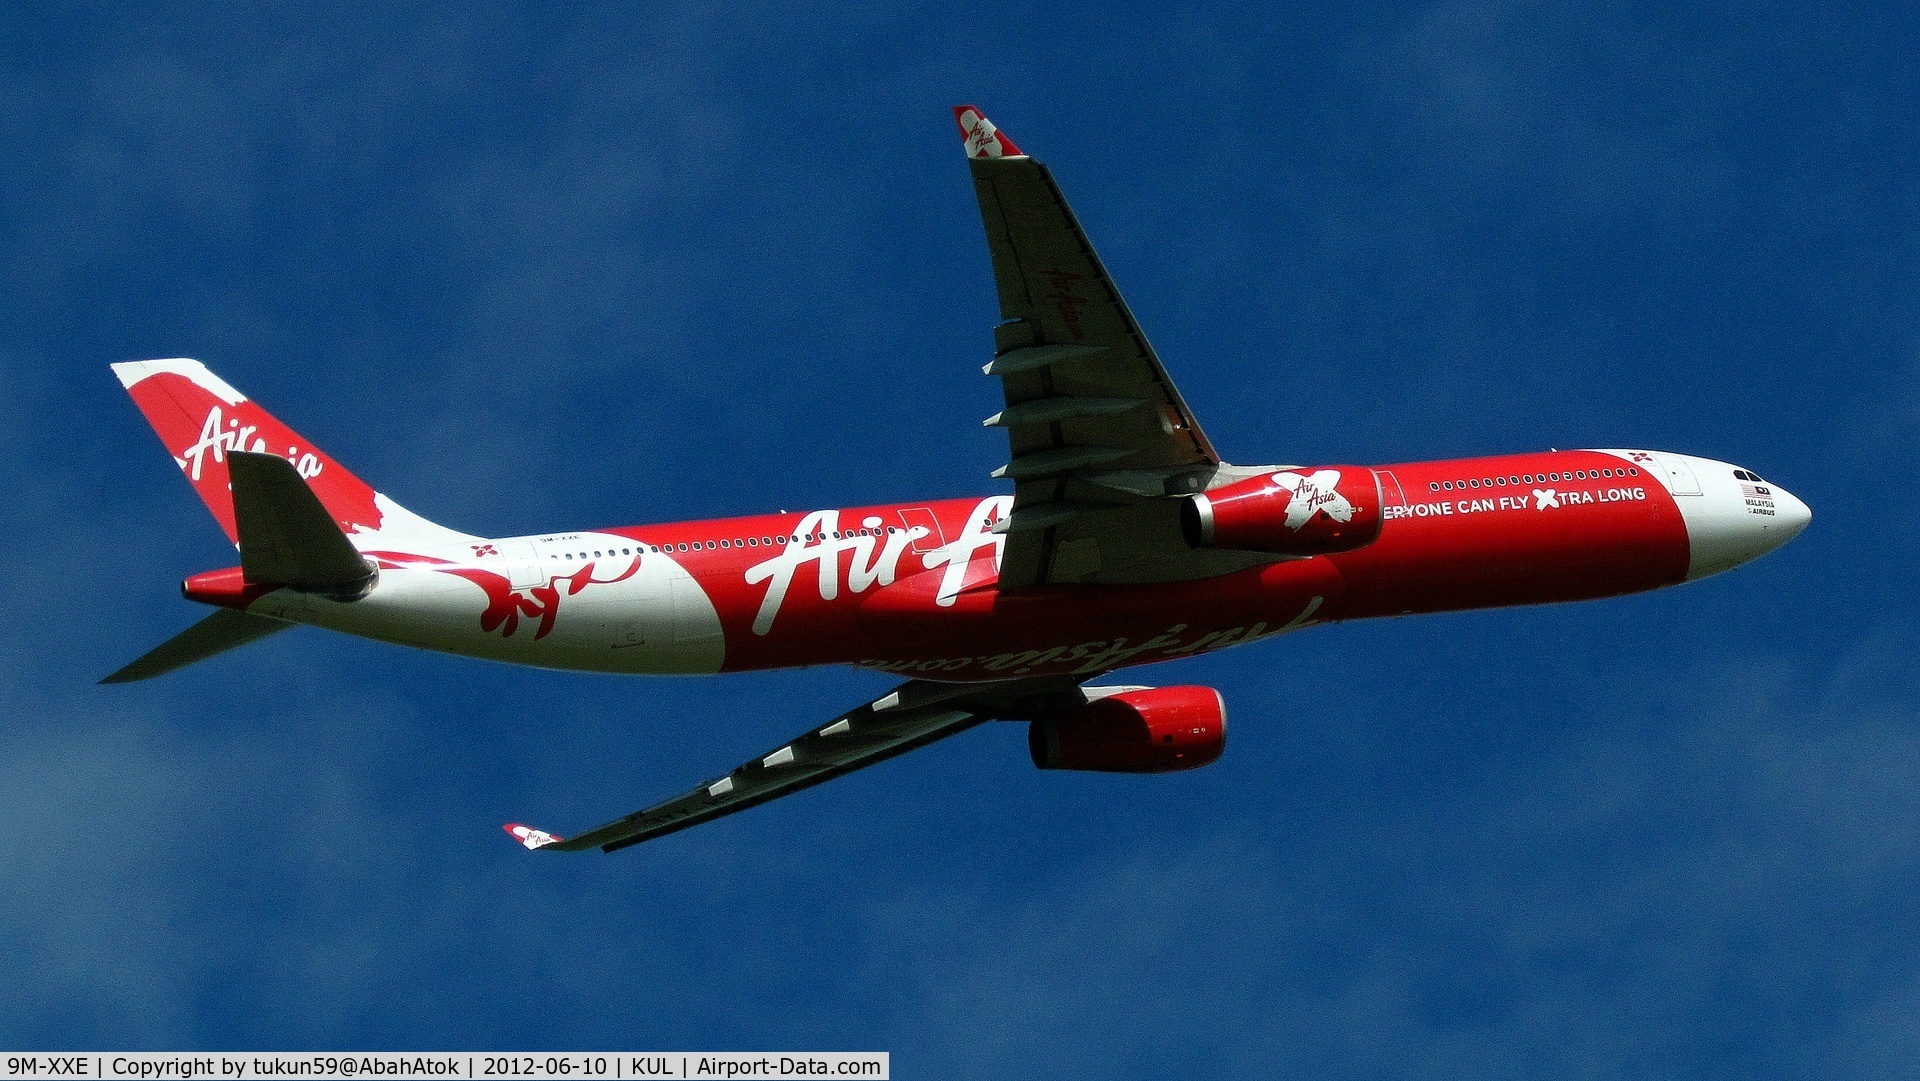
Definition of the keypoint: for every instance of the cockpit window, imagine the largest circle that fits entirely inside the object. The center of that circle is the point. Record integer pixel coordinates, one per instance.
(1747, 475)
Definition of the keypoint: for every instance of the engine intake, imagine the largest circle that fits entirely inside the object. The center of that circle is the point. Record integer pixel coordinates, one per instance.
(1295, 512)
(1158, 730)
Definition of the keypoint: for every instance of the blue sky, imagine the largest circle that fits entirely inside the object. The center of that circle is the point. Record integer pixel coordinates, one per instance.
(532, 267)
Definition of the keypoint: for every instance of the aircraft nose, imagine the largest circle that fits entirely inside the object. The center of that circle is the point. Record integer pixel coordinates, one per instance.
(1794, 515)
(1737, 518)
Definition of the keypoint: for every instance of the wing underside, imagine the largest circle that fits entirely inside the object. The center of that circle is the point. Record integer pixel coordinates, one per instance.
(912, 715)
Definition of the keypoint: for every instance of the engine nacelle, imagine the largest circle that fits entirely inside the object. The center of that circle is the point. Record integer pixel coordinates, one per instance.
(1158, 730)
(1294, 512)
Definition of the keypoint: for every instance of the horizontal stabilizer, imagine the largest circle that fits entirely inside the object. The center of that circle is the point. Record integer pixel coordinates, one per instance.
(219, 632)
(286, 537)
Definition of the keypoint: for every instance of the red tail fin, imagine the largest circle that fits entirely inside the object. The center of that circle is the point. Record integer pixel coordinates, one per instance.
(200, 418)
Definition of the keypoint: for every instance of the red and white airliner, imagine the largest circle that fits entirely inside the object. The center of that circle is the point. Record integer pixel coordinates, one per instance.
(1125, 540)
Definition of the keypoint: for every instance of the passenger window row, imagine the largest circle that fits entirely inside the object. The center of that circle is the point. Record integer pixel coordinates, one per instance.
(1529, 478)
(734, 542)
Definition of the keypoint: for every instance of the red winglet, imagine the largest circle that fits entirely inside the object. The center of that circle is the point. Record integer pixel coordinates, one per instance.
(531, 837)
(982, 138)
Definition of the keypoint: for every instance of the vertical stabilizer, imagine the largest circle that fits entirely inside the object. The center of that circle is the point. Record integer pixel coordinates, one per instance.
(202, 420)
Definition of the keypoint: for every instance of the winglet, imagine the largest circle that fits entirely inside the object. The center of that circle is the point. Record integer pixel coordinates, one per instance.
(531, 837)
(982, 138)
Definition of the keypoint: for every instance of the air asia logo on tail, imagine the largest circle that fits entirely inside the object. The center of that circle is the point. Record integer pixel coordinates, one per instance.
(1312, 493)
(235, 436)
(202, 419)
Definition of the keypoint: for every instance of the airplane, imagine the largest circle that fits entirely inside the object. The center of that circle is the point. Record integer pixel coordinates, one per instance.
(1126, 540)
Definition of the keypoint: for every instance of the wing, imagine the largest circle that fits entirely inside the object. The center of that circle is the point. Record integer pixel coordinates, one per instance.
(913, 714)
(1098, 431)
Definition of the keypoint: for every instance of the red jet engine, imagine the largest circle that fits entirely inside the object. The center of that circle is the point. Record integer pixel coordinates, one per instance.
(1292, 512)
(1157, 730)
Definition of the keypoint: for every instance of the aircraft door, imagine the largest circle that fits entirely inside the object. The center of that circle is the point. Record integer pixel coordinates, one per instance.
(1392, 499)
(1679, 475)
(523, 564)
(694, 618)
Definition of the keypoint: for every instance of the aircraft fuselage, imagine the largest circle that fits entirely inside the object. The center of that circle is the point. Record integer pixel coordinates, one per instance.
(910, 588)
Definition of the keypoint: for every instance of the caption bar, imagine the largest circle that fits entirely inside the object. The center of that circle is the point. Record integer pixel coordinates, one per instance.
(595, 1065)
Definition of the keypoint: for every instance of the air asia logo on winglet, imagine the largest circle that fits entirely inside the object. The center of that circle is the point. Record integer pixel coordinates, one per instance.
(1313, 493)
(979, 133)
